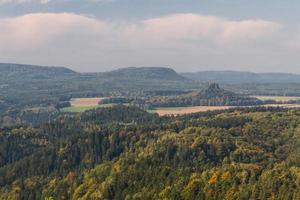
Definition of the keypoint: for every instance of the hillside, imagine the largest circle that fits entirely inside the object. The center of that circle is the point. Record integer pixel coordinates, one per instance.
(32, 72)
(236, 77)
(27, 88)
(56, 82)
(126, 153)
(144, 73)
(212, 95)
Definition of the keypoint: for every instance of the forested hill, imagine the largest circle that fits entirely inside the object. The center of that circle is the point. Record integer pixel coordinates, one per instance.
(144, 73)
(212, 95)
(21, 71)
(125, 153)
(236, 77)
(34, 92)
(32, 72)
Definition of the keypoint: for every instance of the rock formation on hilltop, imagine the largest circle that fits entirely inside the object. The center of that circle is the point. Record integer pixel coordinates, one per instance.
(212, 95)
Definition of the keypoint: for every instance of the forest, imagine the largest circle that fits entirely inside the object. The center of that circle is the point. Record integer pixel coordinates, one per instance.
(126, 153)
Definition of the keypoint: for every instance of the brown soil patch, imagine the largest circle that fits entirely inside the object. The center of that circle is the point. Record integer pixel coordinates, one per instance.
(85, 101)
(194, 109)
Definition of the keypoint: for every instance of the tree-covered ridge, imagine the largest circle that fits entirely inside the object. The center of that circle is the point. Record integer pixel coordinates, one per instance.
(144, 73)
(212, 95)
(239, 77)
(19, 71)
(26, 88)
(126, 153)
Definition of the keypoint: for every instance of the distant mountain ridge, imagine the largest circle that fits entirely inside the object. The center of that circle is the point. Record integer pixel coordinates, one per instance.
(144, 73)
(233, 77)
(31, 83)
(10, 70)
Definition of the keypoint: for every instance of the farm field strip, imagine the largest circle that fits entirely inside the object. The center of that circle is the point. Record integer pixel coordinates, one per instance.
(186, 110)
(84, 104)
(78, 102)
(277, 98)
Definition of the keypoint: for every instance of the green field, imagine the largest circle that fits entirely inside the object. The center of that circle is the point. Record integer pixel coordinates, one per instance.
(79, 109)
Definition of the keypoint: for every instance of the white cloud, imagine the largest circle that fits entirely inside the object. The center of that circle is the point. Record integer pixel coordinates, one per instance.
(191, 27)
(174, 31)
(24, 1)
(173, 40)
(32, 30)
(47, 1)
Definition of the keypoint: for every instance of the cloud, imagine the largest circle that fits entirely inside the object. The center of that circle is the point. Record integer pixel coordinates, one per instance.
(192, 27)
(24, 1)
(92, 44)
(32, 30)
(47, 1)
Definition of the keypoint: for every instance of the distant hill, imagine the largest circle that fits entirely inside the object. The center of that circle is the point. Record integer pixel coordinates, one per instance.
(212, 95)
(234, 77)
(144, 73)
(32, 84)
(20, 71)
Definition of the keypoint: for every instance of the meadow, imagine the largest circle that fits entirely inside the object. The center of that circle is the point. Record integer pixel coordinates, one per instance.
(79, 105)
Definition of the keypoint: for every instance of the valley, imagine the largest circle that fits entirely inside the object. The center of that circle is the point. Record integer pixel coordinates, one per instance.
(211, 98)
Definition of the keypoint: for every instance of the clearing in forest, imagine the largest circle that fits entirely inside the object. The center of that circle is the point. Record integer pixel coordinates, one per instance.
(78, 102)
(277, 98)
(84, 104)
(193, 109)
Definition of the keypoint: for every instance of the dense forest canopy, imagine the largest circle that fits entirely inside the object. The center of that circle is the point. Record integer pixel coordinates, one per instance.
(127, 153)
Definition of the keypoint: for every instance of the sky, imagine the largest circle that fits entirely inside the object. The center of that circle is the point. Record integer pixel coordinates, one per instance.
(186, 35)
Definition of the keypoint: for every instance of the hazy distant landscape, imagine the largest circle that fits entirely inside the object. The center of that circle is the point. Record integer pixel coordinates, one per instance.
(52, 89)
(149, 100)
